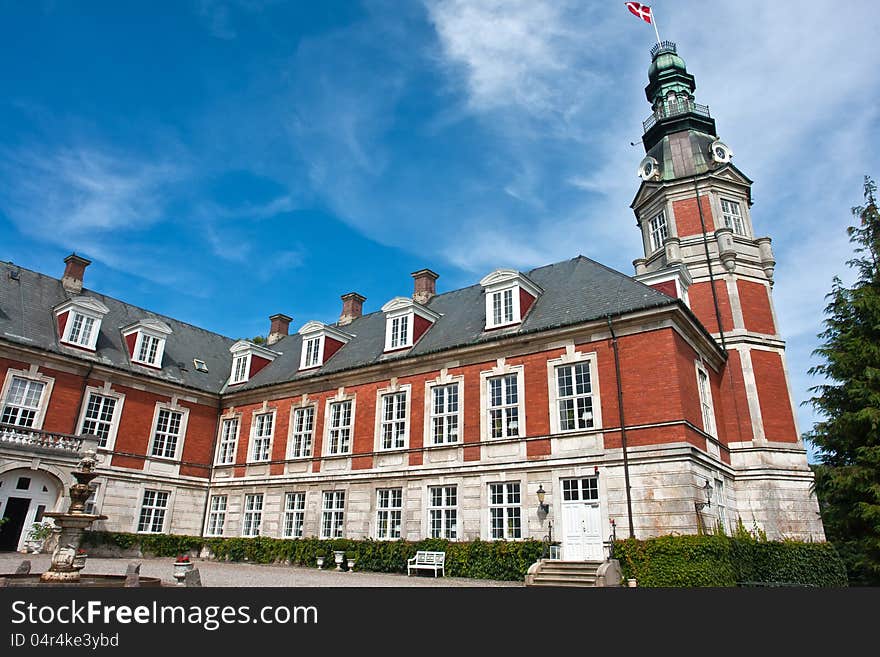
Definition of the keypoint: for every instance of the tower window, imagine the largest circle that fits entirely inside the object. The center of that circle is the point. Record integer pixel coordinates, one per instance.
(659, 231)
(733, 216)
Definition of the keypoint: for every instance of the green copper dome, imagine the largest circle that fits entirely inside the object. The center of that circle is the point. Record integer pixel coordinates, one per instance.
(665, 61)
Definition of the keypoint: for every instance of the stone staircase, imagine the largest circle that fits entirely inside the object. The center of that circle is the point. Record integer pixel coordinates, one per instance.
(555, 572)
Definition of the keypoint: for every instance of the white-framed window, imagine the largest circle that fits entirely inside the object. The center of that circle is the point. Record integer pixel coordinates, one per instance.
(168, 431)
(399, 332)
(733, 217)
(445, 414)
(389, 513)
(228, 443)
(240, 366)
(216, 516)
(147, 349)
(720, 503)
(393, 424)
(252, 520)
(333, 514)
(23, 402)
(580, 490)
(574, 396)
(706, 407)
(341, 416)
(502, 307)
(311, 356)
(443, 511)
(505, 511)
(302, 431)
(262, 430)
(503, 406)
(294, 515)
(153, 509)
(658, 231)
(81, 329)
(100, 417)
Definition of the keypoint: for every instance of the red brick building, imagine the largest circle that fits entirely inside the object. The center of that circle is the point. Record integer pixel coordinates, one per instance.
(660, 401)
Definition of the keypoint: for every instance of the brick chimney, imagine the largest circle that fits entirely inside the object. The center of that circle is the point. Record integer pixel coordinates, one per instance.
(73, 273)
(352, 307)
(424, 285)
(279, 328)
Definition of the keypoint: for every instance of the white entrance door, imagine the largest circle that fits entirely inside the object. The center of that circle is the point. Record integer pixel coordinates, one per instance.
(581, 525)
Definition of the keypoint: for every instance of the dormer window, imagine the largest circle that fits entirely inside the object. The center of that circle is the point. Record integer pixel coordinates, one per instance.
(405, 322)
(319, 343)
(79, 321)
(248, 359)
(509, 295)
(146, 341)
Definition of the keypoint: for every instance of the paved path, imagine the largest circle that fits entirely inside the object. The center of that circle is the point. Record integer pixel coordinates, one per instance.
(214, 573)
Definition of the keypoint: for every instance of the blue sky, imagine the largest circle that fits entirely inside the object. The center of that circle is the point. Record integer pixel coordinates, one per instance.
(221, 161)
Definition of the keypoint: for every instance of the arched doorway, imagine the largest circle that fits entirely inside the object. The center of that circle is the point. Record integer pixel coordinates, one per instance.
(24, 496)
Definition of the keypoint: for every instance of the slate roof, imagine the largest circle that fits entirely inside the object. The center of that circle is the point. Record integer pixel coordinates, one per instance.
(26, 318)
(575, 291)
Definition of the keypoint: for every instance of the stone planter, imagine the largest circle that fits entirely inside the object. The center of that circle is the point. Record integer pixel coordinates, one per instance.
(320, 561)
(181, 568)
(338, 556)
(350, 564)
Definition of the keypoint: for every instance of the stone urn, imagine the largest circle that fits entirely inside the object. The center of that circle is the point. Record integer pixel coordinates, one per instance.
(320, 559)
(350, 561)
(181, 567)
(338, 556)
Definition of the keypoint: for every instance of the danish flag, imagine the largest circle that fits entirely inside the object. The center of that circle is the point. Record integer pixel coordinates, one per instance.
(640, 10)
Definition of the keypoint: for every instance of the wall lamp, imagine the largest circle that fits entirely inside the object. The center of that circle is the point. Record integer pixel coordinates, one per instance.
(544, 508)
(708, 490)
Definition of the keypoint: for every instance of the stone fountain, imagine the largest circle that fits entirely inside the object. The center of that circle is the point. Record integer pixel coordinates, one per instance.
(66, 560)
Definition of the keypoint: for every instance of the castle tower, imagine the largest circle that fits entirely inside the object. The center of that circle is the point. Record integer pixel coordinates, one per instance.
(693, 209)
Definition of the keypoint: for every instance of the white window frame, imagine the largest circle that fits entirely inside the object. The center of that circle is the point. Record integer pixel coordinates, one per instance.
(720, 503)
(572, 357)
(490, 307)
(252, 514)
(443, 381)
(502, 370)
(253, 456)
(736, 221)
(334, 512)
(389, 518)
(329, 428)
(216, 512)
(316, 352)
(315, 330)
(294, 432)
(222, 435)
(508, 510)
(294, 515)
(707, 406)
(142, 336)
(112, 424)
(92, 336)
(659, 231)
(577, 493)
(181, 436)
(381, 422)
(240, 374)
(31, 375)
(447, 530)
(164, 509)
(393, 325)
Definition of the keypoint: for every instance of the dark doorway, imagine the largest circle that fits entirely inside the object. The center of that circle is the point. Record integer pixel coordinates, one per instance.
(15, 514)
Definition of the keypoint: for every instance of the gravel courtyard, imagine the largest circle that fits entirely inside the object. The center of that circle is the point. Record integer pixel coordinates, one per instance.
(215, 573)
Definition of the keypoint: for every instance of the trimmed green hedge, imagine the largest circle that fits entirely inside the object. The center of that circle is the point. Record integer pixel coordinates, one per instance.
(498, 560)
(718, 560)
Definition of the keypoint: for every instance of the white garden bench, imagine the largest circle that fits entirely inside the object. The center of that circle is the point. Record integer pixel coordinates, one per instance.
(425, 560)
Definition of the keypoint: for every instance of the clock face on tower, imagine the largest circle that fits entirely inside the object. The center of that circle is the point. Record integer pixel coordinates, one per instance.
(720, 152)
(649, 169)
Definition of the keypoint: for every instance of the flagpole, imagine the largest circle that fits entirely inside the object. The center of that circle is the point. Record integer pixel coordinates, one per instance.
(654, 23)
